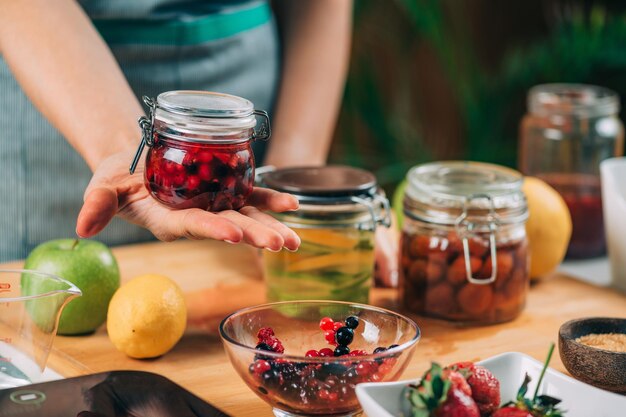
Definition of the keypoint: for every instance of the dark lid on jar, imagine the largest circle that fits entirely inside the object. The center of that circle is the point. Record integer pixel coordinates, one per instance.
(440, 192)
(580, 100)
(325, 181)
(331, 196)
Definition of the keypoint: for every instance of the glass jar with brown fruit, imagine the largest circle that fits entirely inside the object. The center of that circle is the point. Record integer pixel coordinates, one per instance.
(568, 130)
(200, 152)
(464, 253)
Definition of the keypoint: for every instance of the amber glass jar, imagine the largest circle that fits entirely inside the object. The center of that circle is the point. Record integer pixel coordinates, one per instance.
(340, 208)
(464, 252)
(568, 130)
(200, 152)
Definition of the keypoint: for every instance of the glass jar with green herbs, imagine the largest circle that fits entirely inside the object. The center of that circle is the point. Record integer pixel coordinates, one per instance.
(340, 208)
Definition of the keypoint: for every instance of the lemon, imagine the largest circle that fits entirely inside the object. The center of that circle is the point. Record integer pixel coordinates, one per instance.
(549, 226)
(147, 316)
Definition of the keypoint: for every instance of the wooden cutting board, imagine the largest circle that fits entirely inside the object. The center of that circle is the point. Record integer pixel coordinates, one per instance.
(219, 278)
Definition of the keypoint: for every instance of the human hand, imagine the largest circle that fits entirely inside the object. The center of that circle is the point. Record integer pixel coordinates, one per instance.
(113, 191)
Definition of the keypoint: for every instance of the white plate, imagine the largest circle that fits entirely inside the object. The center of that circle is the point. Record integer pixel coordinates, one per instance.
(383, 399)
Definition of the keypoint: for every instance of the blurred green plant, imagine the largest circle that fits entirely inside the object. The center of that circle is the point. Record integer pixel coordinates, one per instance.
(382, 126)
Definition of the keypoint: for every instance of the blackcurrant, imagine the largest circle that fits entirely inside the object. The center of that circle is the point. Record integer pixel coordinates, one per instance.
(344, 336)
(393, 346)
(380, 349)
(352, 322)
(342, 350)
(264, 346)
(271, 377)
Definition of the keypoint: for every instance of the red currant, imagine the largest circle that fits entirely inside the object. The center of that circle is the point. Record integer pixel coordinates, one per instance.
(338, 325)
(329, 335)
(326, 352)
(326, 323)
(312, 353)
(261, 366)
(364, 368)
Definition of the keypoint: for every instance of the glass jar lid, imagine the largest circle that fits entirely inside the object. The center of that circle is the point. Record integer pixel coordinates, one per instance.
(194, 112)
(453, 191)
(341, 195)
(580, 100)
(204, 104)
(200, 117)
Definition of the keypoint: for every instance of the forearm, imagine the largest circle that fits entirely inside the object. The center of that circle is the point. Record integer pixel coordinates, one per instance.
(316, 42)
(70, 75)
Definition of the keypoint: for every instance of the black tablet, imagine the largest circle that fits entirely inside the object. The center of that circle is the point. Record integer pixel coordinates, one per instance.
(108, 394)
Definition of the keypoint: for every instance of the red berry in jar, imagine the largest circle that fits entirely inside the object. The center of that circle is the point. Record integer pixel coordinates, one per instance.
(200, 153)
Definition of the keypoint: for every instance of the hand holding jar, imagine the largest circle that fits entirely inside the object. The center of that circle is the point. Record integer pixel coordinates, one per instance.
(172, 194)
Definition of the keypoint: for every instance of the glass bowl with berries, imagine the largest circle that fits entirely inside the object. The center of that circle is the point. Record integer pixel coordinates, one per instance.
(305, 358)
(200, 149)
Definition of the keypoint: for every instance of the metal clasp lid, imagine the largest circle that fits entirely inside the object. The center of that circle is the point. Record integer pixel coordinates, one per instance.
(265, 130)
(147, 129)
(465, 228)
(384, 219)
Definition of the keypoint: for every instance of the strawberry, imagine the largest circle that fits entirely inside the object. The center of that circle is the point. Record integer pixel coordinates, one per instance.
(485, 386)
(458, 404)
(538, 405)
(485, 389)
(511, 411)
(458, 381)
(442, 393)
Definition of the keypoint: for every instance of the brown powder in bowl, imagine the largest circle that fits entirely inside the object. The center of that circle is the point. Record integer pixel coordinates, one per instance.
(615, 342)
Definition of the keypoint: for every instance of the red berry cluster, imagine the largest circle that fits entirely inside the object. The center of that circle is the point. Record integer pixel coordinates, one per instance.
(213, 177)
(315, 384)
(268, 341)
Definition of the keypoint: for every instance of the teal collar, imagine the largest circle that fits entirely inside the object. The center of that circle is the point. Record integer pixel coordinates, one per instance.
(183, 32)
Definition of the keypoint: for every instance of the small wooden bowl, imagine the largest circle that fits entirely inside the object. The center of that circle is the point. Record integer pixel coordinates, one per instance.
(598, 367)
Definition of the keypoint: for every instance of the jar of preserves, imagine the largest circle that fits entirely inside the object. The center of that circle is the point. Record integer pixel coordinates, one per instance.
(200, 152)
(340, 208)
(464, 253)
(568, 130)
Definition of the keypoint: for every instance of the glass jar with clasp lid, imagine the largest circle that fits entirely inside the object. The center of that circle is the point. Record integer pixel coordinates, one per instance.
(340, 209)
(464, 253)
(568, 130)
(200, 152)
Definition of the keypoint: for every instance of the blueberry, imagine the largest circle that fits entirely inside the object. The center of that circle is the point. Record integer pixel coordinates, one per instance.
(344, 336)
(271, 377)
(264, 346)
(341, 350)
(352, 322)
(331, 369)
(380, 349)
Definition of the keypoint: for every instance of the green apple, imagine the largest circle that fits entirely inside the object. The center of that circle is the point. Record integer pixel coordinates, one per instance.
(90, 266)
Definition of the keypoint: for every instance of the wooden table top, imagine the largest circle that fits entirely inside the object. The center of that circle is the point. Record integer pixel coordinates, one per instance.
(219, 278)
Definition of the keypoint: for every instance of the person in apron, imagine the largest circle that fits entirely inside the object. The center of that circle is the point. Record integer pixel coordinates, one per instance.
(70, 77)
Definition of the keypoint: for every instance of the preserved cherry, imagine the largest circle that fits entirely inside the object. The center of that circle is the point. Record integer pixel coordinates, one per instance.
(445, 292)
(211, 176)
